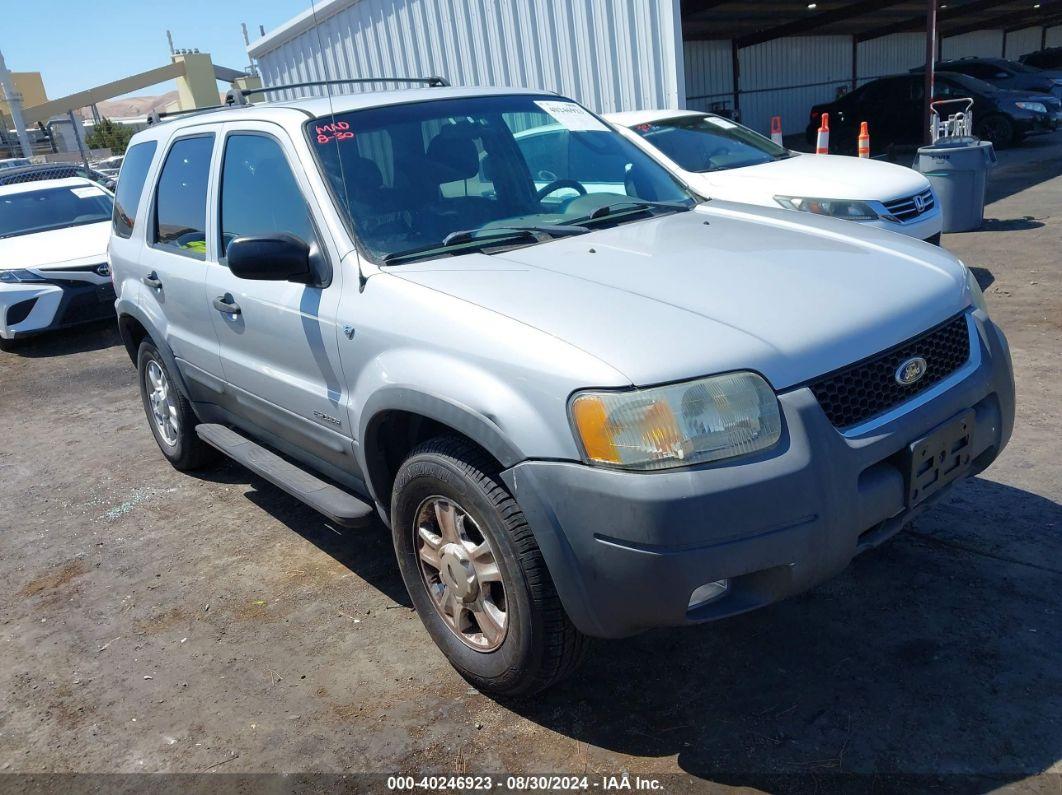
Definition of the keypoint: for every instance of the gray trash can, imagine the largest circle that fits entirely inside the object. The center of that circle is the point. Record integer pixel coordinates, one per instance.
(957, 168)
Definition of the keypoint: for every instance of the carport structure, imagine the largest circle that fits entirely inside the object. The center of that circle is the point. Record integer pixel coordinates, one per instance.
(782, 56)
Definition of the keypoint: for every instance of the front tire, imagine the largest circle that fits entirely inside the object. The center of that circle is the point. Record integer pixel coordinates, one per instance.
(475, 573)
(170, 415)
(999, 130)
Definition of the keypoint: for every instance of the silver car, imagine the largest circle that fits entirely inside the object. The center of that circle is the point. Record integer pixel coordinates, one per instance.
(584, 404)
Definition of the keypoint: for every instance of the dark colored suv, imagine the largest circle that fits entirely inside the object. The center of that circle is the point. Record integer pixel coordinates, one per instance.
(1008, 75)
(893, 108)
(1050, 58)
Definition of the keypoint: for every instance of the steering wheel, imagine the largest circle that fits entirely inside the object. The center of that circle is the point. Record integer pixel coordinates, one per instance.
(557, 184)
(710, 156)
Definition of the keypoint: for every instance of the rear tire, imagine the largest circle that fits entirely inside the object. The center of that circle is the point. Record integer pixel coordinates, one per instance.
(536, 645)
(170, 415)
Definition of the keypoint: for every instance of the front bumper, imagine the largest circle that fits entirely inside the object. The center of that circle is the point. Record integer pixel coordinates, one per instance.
(34, 307)
(627, 549)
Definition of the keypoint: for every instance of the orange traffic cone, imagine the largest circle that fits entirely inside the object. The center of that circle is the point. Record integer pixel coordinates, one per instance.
(864, 140)
(822, 147)
(776, 130)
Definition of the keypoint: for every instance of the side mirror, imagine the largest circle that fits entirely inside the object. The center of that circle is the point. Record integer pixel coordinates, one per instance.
(271, 258)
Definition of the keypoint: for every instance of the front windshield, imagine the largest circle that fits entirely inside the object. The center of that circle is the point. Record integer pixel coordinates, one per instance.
(709, 143)
(52, 208)
(411, 176)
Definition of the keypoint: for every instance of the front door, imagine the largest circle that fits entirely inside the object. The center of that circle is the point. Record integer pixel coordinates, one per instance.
(278, 339)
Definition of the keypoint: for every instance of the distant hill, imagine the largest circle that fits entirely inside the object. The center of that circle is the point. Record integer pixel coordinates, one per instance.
(135, 106)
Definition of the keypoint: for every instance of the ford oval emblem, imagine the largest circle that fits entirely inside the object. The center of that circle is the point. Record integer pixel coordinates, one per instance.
(911, 371)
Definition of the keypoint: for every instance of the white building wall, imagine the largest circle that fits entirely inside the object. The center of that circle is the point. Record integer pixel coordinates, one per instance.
(608, 55)
(981, 43)
(890, 55)
(1020, 42)
(1054, 36)
(785, 77)
(709, 73)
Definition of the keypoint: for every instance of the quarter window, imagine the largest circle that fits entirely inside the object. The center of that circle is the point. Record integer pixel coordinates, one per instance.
(131, 186)
(181, 197)
(259, 194)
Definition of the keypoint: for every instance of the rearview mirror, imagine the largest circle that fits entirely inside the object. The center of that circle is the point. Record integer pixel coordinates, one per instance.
(274, 258)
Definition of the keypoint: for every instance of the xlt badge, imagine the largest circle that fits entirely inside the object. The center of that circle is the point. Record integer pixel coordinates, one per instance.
(329, 419)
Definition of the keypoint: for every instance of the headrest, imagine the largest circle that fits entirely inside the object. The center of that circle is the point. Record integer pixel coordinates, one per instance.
(454, 151)
(363, 177)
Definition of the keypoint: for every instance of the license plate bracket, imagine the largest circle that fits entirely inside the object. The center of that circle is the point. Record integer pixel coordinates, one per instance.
(939, 458)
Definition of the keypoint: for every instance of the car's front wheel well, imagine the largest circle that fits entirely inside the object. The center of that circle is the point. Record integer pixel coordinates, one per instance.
(389, 439)
(133, 333)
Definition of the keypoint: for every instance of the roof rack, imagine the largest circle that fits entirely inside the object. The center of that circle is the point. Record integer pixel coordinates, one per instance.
(157, 116)
(238, 96)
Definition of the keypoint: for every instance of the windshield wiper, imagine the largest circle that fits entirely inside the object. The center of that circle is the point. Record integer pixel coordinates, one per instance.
(633, 207)
(473, 239)
(540, 233)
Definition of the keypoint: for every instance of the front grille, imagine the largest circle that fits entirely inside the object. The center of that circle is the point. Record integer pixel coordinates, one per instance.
(858, 392)
(907, 208)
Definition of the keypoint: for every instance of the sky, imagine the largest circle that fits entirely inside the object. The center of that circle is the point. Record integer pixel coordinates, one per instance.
(76, 44)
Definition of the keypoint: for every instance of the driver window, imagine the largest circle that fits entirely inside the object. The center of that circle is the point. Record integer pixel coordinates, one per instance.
(259, 194)
(181, 196)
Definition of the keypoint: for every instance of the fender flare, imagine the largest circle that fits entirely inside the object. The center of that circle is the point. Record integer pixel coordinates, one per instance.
(127, 310)
(481, 429)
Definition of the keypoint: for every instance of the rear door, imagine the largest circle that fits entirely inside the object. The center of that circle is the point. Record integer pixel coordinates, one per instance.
(174, 259)
(279, 340)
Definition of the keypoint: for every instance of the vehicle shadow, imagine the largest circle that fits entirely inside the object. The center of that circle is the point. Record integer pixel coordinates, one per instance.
(93, 336)
(934, 662)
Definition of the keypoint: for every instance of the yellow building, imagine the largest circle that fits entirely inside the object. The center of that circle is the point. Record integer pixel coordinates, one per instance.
(31, 86)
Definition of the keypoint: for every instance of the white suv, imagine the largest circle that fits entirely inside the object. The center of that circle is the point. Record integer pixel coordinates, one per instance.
(584, 406)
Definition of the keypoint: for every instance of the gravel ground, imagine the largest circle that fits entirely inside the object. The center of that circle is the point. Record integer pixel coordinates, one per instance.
(156, 621)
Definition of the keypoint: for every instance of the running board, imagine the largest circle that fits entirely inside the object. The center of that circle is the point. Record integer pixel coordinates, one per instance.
(339, 506)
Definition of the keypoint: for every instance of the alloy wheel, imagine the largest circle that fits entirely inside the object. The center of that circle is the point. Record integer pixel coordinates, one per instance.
(163, 406)
(461, 573)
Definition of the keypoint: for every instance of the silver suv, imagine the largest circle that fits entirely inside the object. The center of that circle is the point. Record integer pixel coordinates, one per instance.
(584, 404)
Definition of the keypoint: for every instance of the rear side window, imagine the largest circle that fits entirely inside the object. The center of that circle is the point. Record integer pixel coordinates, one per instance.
(181, 197)
(259, 194)
(131, 186)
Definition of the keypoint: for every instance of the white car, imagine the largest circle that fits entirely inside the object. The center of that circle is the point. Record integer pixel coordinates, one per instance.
(53, 255)
(720, 159)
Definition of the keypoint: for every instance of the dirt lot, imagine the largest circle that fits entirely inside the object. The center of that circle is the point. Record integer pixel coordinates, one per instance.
(155, 621)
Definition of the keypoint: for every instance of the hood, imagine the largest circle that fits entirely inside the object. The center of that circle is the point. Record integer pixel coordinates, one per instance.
(817, 176)
(68, 247)
(723, 287)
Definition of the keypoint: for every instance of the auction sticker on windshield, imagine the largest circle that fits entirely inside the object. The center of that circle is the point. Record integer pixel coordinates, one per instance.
(719, 121)
(572, 116)
(87, 192)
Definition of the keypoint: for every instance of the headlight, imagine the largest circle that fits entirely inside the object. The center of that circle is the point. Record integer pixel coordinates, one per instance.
(977, 296)
(848, 209)
(1035, 107)
(679, 424)
(19, 276)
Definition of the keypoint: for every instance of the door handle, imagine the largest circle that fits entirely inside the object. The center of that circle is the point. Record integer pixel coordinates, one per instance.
(226, 303)
(152, 280)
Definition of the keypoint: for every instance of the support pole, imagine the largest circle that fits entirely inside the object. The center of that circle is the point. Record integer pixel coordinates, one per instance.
(79, 132)
(855, 63)
(14, 102)
(735, 69)
(931, 66)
